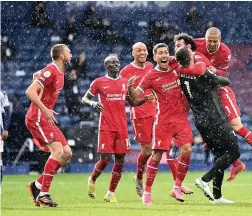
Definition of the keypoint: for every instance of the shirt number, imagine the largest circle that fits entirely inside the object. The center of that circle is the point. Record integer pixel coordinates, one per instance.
(188, 88)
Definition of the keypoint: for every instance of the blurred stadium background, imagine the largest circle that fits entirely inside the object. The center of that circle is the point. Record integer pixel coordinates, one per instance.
(29, 29)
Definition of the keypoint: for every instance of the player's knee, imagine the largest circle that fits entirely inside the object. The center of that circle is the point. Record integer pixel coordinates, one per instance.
(157, 155)
(186, 149)
(106, 157)
(119, 158)
(58, 153)
(68, 155)
(146, 151)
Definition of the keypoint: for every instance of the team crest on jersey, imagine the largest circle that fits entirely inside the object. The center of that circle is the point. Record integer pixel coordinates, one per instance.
(47, 74)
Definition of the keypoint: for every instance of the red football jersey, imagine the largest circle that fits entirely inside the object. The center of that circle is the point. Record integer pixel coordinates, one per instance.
(220, 59)
(112, 94)
(165, 85)
(147, 109)
(52, 81)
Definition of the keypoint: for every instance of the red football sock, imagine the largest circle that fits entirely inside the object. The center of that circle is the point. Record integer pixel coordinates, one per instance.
(116, 176)
(50, 170)
(237, 163)
(173, 165)
(40, 179)
(98, 169)
(141, 162)
(183, 166)
(151, 172)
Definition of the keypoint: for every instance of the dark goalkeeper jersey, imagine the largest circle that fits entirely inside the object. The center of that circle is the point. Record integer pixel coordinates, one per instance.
(203, 99)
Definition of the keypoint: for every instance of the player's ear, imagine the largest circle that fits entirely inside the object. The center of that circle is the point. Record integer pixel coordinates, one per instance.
(154, 57)
(189, 46)
(62, 56)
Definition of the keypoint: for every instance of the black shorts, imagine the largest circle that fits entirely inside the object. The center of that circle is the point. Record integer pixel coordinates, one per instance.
(219, 138)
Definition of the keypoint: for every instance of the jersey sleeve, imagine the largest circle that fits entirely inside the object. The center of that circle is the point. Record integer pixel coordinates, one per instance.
(46, 77)
(93, 90)
(222, 68)
(145, 83)
(123, 73)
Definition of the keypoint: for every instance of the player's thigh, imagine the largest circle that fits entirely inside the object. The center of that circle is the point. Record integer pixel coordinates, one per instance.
(182, 133)
(122, 144)
(229, 104)
(142, 129)
(106, 140)
(46, 133)
(162, 137)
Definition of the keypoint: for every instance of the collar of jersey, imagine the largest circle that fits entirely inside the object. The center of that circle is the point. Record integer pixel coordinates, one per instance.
(56, 67)
(156, 68)
(112, 78)
(134, 65)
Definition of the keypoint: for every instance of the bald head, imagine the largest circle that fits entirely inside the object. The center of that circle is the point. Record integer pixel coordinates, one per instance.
(138, 45)
(213, 38)
(213, 31)
(109, 58)
(140, 53)
(112, 65)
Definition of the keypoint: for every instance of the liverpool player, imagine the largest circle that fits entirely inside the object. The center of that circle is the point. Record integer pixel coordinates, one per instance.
(112, 92)
(211, 122)
(170, 120)
(141, 117)
(220, 55)
(40, 121)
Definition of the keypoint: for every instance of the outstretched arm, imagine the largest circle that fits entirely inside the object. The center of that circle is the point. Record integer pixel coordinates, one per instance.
(198, 69)
(86, 100)
(139, 102)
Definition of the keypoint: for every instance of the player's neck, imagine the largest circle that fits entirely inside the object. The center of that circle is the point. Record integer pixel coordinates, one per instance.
(162, 69)
(60, 65)
(139, 64)
(112, 76)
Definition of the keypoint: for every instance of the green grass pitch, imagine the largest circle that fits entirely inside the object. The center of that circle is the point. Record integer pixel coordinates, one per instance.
(70, 191)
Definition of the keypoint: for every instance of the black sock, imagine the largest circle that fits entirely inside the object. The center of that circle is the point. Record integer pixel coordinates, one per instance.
(217, 184)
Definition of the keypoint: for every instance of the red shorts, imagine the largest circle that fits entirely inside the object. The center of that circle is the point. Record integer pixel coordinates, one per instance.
(142, 128)
(228, 101)
(44, 134)
(113, 142)
(179, 132)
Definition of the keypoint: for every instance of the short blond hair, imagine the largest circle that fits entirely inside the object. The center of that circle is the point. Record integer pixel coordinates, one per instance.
(57, 50)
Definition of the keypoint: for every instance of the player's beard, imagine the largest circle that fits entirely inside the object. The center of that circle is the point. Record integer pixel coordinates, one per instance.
(67, 65)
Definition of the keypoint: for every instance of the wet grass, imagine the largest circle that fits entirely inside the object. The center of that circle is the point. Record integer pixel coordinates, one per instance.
(70, 191)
